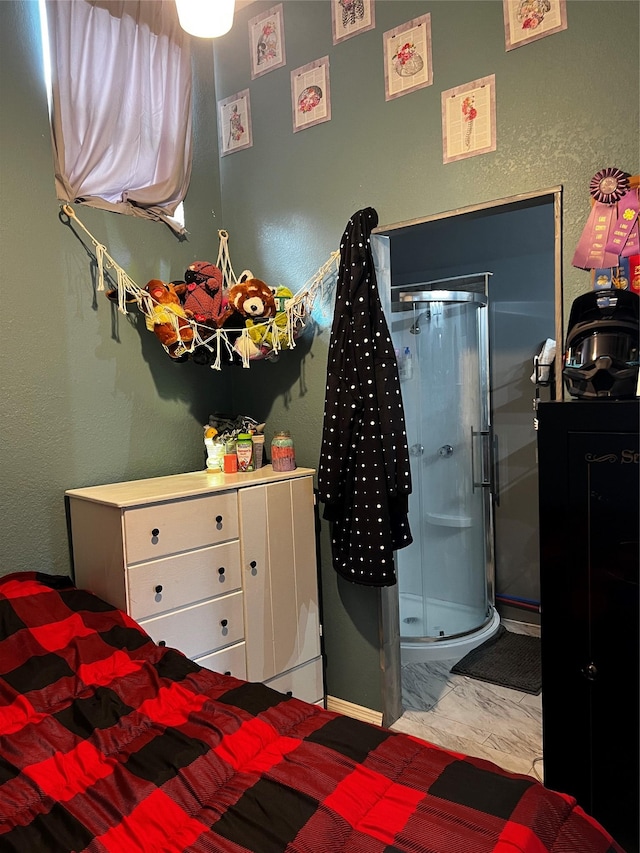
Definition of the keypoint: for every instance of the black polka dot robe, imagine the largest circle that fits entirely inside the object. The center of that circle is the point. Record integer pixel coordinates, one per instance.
(364, 477)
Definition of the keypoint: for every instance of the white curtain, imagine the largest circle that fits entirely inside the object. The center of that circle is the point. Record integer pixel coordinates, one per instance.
(121, 122)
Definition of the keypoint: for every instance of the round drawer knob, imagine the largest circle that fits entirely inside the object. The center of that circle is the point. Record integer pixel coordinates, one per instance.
(218, 519)
(162, 643)
(253, 564)
(221, 570)
(159, 588)
(155, 531)
(227, 672)
(289, 693)
(224, 622)
(590, 672)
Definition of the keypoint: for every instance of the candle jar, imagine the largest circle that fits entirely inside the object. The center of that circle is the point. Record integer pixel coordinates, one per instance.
(283, 457)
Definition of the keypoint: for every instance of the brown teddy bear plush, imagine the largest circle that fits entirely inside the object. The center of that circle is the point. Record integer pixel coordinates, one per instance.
(251, 299)
(204, 292)
(167, 318)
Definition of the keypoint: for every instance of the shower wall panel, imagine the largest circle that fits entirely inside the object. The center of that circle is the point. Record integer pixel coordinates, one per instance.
(442, 576)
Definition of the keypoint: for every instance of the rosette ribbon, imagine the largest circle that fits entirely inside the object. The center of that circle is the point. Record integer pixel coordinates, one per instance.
(623, 239)
(607, 187)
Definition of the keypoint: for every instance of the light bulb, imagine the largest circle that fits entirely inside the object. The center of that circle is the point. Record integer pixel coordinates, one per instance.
(205, 18)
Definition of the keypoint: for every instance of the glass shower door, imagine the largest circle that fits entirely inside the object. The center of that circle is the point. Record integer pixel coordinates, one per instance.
(446, 576)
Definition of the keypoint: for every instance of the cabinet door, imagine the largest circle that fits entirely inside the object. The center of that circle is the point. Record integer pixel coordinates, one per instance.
(284, 594)
(256, 582)
(305, 558)
(564, 587)
(589, 517)
(610, 498)
(279, 576)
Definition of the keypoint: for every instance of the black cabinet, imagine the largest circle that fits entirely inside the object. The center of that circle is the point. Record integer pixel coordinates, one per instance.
(589, 489)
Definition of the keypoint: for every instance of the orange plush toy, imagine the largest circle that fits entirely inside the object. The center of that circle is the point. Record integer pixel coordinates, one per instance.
(166, 317)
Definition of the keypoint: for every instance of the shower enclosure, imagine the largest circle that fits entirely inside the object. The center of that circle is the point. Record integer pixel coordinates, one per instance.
(445, 578)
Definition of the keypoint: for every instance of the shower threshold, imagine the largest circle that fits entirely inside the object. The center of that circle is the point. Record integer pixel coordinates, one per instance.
(452, 619)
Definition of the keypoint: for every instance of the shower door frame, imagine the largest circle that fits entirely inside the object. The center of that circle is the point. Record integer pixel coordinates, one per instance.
(388, 605)
(422, 293)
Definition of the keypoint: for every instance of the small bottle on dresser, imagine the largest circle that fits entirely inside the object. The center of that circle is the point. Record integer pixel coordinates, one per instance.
(244, 452)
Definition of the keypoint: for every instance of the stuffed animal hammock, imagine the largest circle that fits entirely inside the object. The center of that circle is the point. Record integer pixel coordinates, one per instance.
(172, 309)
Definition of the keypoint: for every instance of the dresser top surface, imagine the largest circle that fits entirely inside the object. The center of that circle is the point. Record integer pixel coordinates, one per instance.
(175, 486)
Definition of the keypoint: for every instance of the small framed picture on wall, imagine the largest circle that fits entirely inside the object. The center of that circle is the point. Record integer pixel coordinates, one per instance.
(528, 20)
(469, 119)
(407, 57)
(266, 41)
(234, 123)
(350, 17)
(311, 94)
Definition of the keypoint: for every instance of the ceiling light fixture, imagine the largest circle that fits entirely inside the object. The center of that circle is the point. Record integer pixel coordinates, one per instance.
(205, 18)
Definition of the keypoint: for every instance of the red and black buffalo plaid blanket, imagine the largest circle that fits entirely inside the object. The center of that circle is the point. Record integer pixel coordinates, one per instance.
(111, 743)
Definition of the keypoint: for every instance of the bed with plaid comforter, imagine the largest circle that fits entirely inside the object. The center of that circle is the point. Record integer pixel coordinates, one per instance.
(109, 742)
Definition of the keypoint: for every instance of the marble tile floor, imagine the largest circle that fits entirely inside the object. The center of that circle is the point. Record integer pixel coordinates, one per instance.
(471, 716)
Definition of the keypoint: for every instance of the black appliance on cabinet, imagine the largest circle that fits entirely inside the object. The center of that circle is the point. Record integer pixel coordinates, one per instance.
(589, 494)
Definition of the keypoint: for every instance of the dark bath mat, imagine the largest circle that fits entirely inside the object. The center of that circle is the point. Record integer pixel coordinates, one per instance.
(511, 660)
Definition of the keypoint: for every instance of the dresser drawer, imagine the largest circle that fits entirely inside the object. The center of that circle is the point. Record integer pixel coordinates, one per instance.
(200, 628)
(230, 661)
(167, 528)
(173, 582)
(304, 682)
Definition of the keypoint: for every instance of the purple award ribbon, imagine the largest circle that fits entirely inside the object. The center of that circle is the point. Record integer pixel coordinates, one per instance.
(626, 228)
(591, 252)
(632, 246)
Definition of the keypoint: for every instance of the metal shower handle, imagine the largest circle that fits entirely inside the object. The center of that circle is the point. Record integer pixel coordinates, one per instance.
(485, 481)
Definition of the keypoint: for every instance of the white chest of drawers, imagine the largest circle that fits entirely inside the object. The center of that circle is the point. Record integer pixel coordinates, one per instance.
(220, 566)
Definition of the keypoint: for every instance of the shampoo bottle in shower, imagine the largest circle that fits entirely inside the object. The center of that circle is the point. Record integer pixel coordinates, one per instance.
(406, 364)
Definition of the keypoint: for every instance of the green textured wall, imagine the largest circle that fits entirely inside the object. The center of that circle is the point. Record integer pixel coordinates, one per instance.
(85, 403)
(567, 105)
(87, 396)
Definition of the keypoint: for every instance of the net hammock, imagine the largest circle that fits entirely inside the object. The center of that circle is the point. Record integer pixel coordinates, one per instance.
(256, 339)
